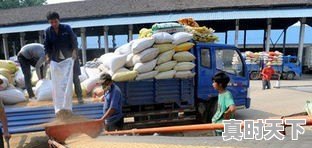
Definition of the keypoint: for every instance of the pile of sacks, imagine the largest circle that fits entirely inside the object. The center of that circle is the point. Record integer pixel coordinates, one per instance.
(276, 58)
(201, 34)
(161, 56)
(9, 94)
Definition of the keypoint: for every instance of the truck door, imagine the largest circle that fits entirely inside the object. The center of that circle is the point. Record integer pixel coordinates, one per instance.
(231, 62)
(205, 72)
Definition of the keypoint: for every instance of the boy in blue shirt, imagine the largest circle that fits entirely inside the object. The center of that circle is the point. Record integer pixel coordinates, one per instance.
(226, 106)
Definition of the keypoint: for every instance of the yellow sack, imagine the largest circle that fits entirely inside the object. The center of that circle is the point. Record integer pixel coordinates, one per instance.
(144, 33)
(124, 76)
(184, 47)
(9, 65)
(164, 47)
(184, 56)
(84, 92)
(6, 73)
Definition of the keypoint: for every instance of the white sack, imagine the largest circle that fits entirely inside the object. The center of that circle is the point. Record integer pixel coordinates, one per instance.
(165, 57)
(181, 37)
(166, 66)
(5, 83)
(183, 66)
(162, 37)
(145, 67)
(12, 96)
(145, 56)
(124, 49)
(62, 84)
(166, 75)
(113, 61)
(43, 90)
(184, 74)
(139, 45)
(19, 78)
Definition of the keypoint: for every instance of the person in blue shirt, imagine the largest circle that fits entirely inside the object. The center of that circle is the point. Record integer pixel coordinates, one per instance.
(112, 110)
(60, 43)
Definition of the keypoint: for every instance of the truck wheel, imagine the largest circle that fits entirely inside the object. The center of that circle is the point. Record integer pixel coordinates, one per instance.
(254, 76)
(202, 112)
(290, 76)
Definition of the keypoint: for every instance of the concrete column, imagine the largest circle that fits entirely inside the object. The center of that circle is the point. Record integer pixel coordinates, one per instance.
(22, 39)
(114, 42)
(40, 37)
(5, 46)
(236, 33)
(226, 37)
(245, 38)
(83, 45)
(106, 43)
(268, 35)
(284, 40)
(301, 38)
(130, 35)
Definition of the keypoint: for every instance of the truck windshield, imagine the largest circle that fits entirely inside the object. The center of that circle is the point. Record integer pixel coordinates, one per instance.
(228, 60)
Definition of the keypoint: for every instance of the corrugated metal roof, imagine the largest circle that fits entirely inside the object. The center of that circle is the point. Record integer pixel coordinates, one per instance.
(107, 8)
(213, 15)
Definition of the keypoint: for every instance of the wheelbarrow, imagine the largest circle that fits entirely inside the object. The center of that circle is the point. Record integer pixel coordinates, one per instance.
(61, 132)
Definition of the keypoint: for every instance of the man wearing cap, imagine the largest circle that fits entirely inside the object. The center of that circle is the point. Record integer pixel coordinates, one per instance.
(267, 73)
(112, 97)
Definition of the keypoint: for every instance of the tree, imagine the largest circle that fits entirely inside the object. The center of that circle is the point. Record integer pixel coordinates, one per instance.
(7, 4)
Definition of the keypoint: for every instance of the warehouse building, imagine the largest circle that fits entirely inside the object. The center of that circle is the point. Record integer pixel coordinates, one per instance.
(107, 22)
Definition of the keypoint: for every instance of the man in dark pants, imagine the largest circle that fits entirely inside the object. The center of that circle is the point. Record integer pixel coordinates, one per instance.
(32, 55)
(61, 43)
(112, 109)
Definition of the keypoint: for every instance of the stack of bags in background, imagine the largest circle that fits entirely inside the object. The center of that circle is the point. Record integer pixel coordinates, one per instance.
(252, 58)
(276, 58)
(8, 93)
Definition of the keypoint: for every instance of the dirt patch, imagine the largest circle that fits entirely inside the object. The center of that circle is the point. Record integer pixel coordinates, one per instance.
(29, 140)
(83, 141)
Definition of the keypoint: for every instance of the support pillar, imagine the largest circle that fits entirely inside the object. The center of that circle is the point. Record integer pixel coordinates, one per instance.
(5, 46)
(40, 37)
(22, 39)
(268, 35)
(83, 45)
(236, 33)
(130, 35)
(301, 38)
(106, 43)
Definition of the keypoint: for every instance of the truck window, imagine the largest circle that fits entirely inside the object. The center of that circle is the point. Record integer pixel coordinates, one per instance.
(228, 60)
(205, 58)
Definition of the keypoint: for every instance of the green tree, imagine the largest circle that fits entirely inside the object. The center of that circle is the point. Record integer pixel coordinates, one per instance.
(7, 4)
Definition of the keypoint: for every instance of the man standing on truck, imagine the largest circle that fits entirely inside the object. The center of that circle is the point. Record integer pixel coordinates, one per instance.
(32, 55)
(226, 106)
(112, 97)
(267, 73)
(61, 43)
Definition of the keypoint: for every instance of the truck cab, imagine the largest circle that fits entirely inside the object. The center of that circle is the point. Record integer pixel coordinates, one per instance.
(291, 67)
(211, 59)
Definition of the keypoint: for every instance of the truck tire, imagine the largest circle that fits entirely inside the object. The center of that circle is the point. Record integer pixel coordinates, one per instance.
(206, 110)
(254, 75)
(290, 76)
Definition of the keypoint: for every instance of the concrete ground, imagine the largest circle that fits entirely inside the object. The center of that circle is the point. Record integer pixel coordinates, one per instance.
(290, 98)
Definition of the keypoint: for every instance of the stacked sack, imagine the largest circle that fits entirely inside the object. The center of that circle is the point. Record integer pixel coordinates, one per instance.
(8, 93)
(201, 34)
(276, 58)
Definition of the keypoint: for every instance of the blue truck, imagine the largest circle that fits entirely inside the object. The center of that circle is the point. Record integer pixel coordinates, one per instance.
(289, 70)
(161, 102)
